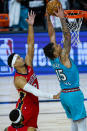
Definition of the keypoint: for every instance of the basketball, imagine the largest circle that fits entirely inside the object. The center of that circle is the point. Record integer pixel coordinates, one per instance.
(52, 6)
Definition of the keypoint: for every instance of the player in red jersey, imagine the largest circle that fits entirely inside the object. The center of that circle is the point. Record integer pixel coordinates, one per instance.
(17, 119)
(26, 81)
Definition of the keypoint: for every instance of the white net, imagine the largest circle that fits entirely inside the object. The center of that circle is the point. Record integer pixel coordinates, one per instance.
(74, 24)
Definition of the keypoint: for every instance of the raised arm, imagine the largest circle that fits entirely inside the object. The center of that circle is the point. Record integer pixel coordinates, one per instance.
(30, 39)
(51, 30)
(66, 32)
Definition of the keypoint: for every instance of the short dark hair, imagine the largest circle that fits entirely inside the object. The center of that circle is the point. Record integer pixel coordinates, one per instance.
(10, 59)
(48, 51)
(14, 114)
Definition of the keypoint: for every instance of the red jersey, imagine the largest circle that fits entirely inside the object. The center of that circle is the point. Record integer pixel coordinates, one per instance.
(24, 128)
(28, 103)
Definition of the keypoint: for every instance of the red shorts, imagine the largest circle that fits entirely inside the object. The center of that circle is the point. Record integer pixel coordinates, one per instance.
(10, 128)
(30, 113)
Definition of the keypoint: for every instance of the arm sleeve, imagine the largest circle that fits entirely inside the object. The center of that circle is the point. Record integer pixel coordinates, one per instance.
(37, 92)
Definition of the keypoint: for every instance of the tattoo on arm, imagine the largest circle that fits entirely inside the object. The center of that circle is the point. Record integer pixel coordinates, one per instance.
(66, 33)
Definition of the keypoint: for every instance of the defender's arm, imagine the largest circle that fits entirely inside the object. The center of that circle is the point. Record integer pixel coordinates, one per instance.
(30, 39)
(20, 82)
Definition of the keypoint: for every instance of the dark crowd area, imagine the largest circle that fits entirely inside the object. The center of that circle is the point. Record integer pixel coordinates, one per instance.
(14, 13)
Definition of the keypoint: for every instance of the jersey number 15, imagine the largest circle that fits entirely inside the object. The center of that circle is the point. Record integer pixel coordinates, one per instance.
(60, 75)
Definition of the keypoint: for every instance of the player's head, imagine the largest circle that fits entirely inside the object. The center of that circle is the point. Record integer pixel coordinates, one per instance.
(16, 116)
(14, 60)
(52, 50)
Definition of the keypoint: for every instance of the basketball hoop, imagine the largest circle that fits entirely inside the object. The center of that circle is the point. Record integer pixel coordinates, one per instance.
(74, 20)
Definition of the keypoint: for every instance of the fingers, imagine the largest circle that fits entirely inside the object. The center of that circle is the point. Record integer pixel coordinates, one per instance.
(59, 8)
(59, 12)
(31, 14)
(56, 14)
(31, 17)
(56, 96)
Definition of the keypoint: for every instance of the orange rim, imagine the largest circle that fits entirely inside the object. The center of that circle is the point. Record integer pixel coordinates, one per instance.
(85, 14)
(77, 14)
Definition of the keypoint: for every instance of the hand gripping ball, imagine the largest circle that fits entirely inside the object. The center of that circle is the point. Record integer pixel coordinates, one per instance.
(53, 6)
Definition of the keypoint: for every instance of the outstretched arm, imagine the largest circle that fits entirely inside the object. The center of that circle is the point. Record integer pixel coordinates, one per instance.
(20, 82)
(51, 30)
(66, 32)
(30, 39)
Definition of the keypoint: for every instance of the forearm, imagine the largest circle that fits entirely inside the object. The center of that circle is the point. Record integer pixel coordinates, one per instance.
(65, 28)
(66, 32)
(30, 39)
(51, 30)
(37, 92)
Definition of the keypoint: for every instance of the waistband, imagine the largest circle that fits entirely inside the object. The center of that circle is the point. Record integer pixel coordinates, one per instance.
(71, 90)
